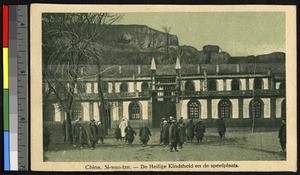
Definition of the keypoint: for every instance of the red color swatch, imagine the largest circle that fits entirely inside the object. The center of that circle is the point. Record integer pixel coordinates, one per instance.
(5, 25)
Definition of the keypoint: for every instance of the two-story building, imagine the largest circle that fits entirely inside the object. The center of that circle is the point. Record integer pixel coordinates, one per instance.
(244, 94)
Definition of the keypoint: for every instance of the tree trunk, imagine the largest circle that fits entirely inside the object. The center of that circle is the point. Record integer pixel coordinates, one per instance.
(69, 137)
(101, 106)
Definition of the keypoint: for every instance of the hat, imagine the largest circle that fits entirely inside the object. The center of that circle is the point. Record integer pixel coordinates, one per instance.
(165, 121)
(92, 120)
(173, 121)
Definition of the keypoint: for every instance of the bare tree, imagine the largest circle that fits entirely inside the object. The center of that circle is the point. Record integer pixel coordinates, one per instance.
(70, 41)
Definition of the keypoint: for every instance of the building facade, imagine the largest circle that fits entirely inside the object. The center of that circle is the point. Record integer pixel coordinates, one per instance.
(243, 94)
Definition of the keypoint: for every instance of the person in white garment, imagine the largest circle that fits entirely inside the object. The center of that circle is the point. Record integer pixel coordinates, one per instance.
(122, 126)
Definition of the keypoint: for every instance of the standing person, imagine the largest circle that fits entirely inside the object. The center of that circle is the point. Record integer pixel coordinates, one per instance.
(164, 135)
(161, 141)
(190, 131)
(63, 130)
(83, 140)
(221, 128)
(118, 133)
(122, 126)
(173, 136)
(169, 123)
(199, 131)
(130, 134)
(93, 133)
(144, 134)
(282, 136)
(101, 132)
(76, 131)
(46, 138)
(181, 134)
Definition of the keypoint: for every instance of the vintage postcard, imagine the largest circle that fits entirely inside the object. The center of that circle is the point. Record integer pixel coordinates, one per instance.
(163, 88)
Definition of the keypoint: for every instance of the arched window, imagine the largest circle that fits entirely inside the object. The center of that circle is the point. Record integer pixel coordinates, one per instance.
(81, 87)
(235, 85)
(145, 87)
(258, 83)
(282, 85)
(256, 108)
(104, 86)
(77, 111)
(48, 112)
(134, 111)
(123, 87)
(212, 85)
(225, 109)
(283, 109)
(189, 86)
(194, 109)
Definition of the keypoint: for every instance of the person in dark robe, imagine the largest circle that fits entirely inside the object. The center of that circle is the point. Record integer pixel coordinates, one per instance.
(181, 134)
(221, 128)
(173, 136)
(199, 131)
(161, 142)
(75, 132)
(190, 127)
(282, 136)
(63, 130)
(164, 135)
(145, 134)
(169, 123)
(118, 134)
(46, 138)
(101, 132)
(129, 134)
(93, 133)
(83, 140)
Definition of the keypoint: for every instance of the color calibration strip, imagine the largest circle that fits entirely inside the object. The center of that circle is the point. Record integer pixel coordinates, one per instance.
(15, 87)
(5, 25)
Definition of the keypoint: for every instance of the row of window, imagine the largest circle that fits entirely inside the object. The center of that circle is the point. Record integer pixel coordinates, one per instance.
(188, 86)
(256, 109)
(235, 85)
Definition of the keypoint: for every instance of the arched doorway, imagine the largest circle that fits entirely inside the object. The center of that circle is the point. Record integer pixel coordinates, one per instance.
(162, 109)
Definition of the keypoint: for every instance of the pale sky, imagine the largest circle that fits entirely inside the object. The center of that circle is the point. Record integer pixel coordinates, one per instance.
(238, 33)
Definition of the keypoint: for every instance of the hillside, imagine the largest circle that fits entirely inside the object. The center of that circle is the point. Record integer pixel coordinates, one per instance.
(137, 44)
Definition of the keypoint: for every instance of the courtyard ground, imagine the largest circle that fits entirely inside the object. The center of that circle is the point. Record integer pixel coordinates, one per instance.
(238, 145)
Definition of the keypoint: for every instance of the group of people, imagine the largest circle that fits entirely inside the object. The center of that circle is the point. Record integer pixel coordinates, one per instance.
(172, 132)
(175, 133)
(124, 132)
(80, 138)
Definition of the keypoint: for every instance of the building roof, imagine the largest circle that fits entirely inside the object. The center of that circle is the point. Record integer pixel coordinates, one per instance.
(186, 69)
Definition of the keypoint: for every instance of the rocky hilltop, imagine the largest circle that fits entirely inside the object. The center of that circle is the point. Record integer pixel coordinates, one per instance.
(137, 44)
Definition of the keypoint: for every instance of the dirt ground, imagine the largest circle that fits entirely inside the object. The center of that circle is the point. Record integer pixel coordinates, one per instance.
(238, 145)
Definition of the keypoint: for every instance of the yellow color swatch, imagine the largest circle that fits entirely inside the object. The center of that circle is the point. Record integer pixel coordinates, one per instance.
(5, 68)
